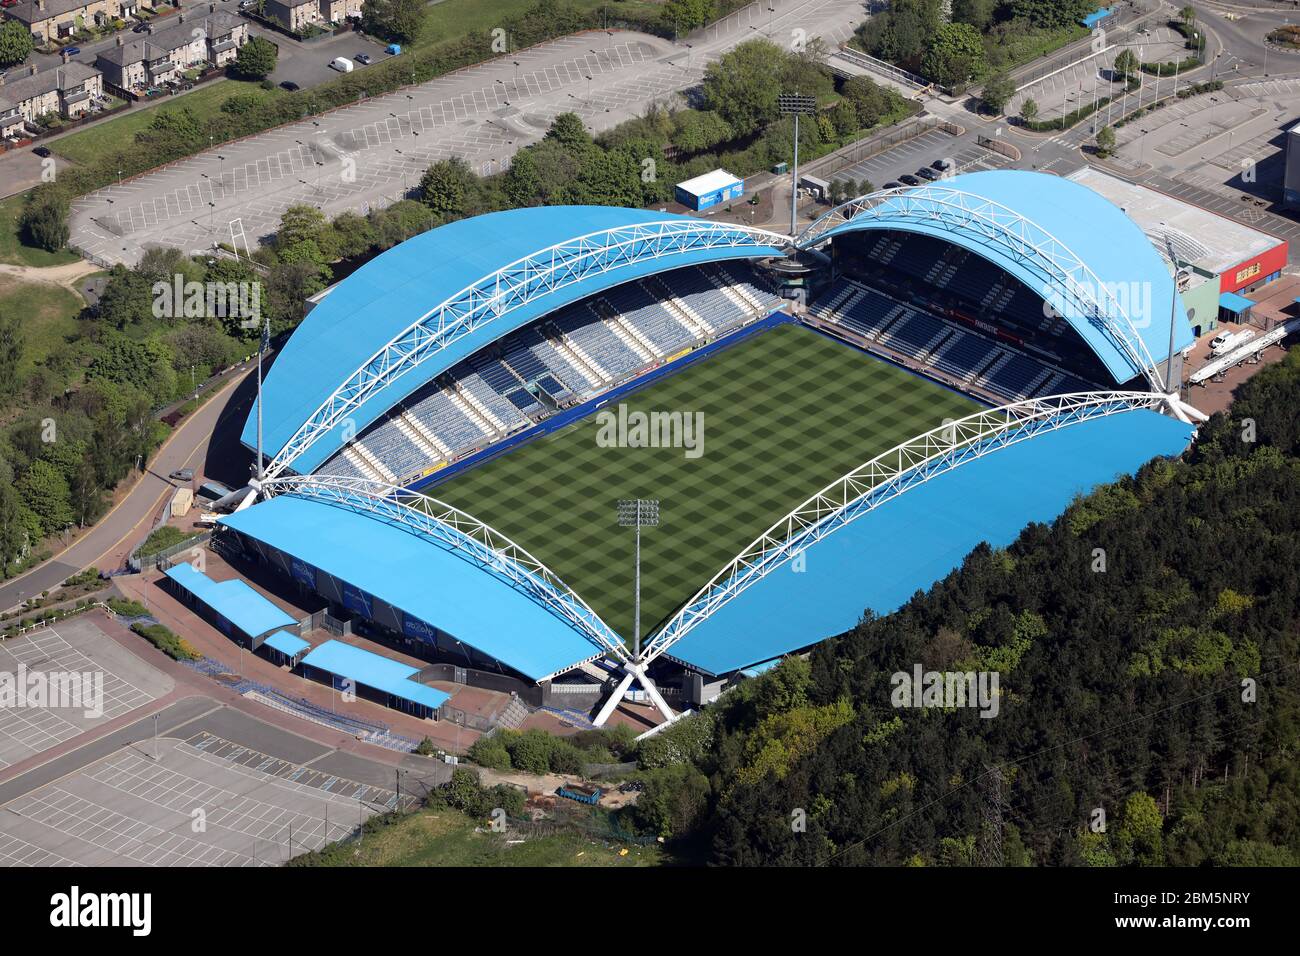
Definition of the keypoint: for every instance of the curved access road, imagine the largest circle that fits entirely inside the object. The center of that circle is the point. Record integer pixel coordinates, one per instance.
(107, 543)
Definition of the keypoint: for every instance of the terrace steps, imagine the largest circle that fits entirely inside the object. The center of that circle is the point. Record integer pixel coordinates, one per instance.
(412, 430)
(427, 434)
(632, 337)
(678, 307)
(578, 355)
(615, 324)
(366, 460)
(729, 290)
(475, 410)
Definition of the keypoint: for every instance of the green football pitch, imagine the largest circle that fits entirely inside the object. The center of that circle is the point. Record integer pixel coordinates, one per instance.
(784, 414)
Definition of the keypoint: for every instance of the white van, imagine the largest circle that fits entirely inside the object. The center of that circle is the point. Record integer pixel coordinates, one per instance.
(1225, 341)
(342, 64)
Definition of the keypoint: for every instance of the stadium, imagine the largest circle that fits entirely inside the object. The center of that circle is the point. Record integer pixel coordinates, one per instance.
(920, 370)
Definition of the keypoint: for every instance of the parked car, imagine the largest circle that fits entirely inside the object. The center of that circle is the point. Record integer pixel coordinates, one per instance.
(893, 184)
(943, 165)
(8, 3)
(140, 28)
(42, 151)
(71, 50)
(362, 58)
(290, 85)
(925, 172)
(909, 180)
(182, 474)
(393, 49)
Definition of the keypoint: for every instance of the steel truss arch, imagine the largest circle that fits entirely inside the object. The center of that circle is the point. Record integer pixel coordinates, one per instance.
(507, 289)
(479, 542)
(1020, 238)
(884, 478)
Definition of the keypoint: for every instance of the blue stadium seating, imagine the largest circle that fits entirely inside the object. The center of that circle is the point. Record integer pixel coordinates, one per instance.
(941, 343)
(501, 382)
(585, 328)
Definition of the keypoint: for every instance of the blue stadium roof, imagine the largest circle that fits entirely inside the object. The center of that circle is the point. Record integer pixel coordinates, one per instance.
(394, 290)
(288, 644)
(425, 579)
(234, 600)
(1097, 231)
(372, 670)
(928, 531)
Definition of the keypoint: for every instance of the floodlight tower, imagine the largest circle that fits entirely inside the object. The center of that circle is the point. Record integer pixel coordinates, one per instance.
(1171, 385)
(796, 105)
(638, 513)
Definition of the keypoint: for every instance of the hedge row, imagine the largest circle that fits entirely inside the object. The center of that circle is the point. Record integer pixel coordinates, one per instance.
(166, 641)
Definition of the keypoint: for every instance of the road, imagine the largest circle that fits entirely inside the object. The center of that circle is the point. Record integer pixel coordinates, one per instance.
(108, 542)
(372, 153)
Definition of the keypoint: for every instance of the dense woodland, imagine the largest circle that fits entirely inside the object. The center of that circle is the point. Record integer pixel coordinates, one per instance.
(1122, 691)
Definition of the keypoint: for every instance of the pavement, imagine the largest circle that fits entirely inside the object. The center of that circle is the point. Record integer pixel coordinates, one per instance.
(372, 153)
(183, 771)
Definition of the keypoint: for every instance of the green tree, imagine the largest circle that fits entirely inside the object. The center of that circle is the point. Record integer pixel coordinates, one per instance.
(128, 299)
(288, 286)
(298, 224)
(11, 355)
(19, 527)
(356, 234)
(531, 751)
(1126, 64)
(698, 130)
(44, 491)
(1105, 141)
(954, 55)
(1051, 14)
(145, 366)
(44, 220)
(997, 92)
(683, 16)
(1139, 838)
(447, 187)
(15, 43)
(400, 20)
(568, 130)
(1029, 109)
(256, 59)
(870, 100)
(743, 85)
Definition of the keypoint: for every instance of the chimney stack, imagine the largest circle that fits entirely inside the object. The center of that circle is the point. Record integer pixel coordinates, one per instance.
(212, 8)
(118, 39)
(31, 70)
(181, 19)
(65, 56)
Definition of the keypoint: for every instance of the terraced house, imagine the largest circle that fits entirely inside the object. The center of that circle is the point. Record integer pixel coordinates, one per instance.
(69, 90)
(53, 20)
(163, 55)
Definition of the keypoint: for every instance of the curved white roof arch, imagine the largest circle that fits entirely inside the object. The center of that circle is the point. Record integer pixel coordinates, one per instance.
(512, 288)
(880, 480)
(479, 542)
(1034, 255)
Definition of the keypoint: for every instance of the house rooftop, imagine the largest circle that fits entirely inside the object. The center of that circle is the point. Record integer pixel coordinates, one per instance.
(15, 90)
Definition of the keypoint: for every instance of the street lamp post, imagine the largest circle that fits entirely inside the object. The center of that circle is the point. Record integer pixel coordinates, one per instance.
(638, 513)
(796, 105)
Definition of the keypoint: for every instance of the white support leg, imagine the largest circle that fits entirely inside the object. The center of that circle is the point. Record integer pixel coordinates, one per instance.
(614, 699)
(1193, 413)
(648, 684)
